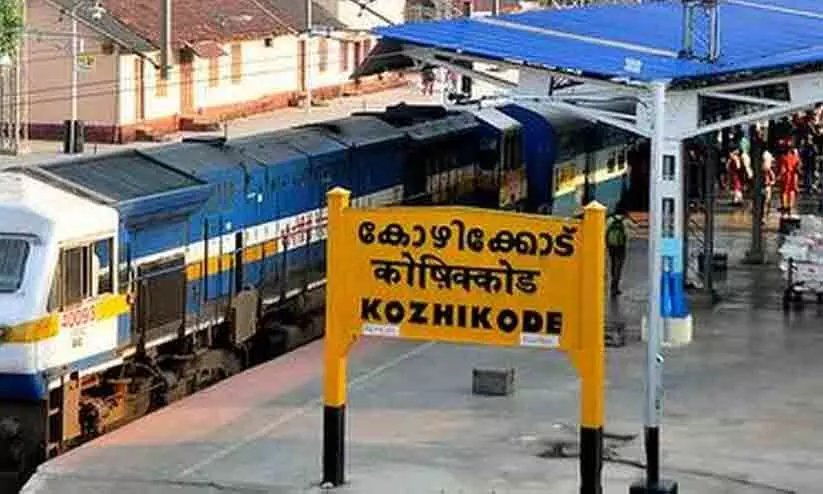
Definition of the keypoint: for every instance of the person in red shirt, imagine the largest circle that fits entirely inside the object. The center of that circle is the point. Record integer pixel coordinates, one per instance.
(789, 165)
(736, 171)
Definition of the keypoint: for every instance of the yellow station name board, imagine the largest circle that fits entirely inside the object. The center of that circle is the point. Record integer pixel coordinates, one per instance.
(460, 275)
(464, 275)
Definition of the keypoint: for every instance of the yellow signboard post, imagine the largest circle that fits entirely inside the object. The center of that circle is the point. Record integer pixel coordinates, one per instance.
(465, 275)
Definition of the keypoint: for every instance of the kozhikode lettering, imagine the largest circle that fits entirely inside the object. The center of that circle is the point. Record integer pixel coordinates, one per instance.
(394, 312)
(475, 239)
(453, 279)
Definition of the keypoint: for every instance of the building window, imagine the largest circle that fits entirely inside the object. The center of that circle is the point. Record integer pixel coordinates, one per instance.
(323, 57)
(268, 42)
(236, 63)
(161, 86)
(214, 71)
(344, 56)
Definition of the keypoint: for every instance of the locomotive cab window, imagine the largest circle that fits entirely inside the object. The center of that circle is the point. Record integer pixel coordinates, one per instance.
(74, 276)
(103, 263)
(13, 255)
(85, 271)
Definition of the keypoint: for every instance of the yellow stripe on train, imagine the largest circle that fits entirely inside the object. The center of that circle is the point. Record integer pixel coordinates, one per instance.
(31, 331)
(219, 264)
(103, 308)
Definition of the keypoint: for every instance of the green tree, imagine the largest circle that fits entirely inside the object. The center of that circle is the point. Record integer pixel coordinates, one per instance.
(11, 25)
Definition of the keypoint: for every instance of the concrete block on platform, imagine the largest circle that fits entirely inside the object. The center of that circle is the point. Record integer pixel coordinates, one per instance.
(661, 487)
(493, 382)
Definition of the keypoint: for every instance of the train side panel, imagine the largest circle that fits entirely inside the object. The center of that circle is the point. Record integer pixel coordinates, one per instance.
(539, 149)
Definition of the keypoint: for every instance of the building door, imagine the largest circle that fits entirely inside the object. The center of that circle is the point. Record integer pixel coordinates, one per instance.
(139, 91)
(186, 84)
(301, 65)
(358, 53)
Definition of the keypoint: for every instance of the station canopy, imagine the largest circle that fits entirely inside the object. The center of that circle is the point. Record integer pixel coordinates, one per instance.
(620, 43)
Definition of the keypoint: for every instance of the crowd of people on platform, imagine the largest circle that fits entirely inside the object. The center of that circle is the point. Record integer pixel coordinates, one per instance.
(790, 152)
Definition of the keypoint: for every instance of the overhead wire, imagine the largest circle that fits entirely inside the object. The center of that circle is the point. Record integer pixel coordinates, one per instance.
(169, 84)
(315, 57)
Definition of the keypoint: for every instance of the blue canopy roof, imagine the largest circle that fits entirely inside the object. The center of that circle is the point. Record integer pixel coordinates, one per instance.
(756, 35)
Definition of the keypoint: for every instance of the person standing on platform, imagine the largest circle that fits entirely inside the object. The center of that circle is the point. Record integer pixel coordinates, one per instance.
(768, 183)
(789, 164)
(428, 81)
(736, 173)
(808, 162)
(617, 243)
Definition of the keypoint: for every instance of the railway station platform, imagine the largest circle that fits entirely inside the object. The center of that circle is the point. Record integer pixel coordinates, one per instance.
(743, 413)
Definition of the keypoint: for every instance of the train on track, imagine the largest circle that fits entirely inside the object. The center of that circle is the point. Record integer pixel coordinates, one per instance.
(131, 279)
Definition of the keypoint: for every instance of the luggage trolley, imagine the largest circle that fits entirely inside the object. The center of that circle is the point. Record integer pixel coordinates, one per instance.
(802, 277)
(802, 263)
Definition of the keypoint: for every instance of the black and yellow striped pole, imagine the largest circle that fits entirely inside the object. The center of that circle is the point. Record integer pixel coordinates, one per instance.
(335, 347)
(589, 358)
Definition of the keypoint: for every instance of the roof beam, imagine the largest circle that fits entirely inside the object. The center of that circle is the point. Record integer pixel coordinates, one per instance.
(647, 50)
(751, 117)
(588, 113)
(410, 50)
(740, 98)
(732, 86)
(428, 55)
(601, 117)
(610, 114)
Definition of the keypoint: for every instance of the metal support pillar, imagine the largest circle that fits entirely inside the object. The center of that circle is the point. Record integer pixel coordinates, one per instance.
(309, 58)
(466, 82)
(663, 195)
(755, 255)
(710, 188)
(74, 50)
(166, 41)
(687, 170)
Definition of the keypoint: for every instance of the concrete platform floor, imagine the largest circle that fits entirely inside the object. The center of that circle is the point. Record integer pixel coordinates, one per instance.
(743, 414)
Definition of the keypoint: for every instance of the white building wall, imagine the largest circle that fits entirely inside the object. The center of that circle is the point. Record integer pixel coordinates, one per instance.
(331, 74)
(50, 65)
(155, 106)
(128, 101)
(158, 106)
(266, 71)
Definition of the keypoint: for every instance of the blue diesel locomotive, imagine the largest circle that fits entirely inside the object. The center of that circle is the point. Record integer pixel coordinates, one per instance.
(131, 279)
